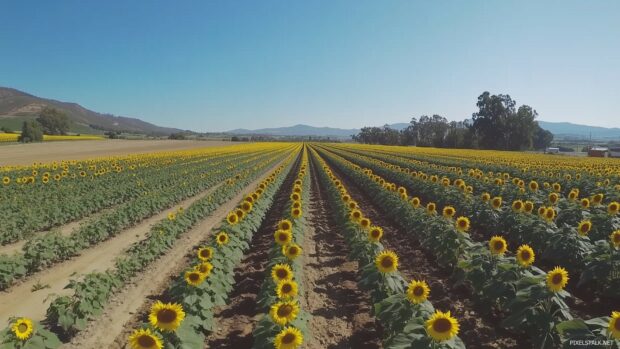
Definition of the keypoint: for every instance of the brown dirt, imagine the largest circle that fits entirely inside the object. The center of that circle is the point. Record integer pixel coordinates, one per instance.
(27, 154)
(110, 330)
(477, 330)
(236, 320)
(340, 311)
(19, 300)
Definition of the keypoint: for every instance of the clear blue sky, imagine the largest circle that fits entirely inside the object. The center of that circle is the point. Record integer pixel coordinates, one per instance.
(218, 65)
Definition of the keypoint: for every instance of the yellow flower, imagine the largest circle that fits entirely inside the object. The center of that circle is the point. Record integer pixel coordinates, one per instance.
(387, 262)
(205, 253)
(553, 198)
(415, 202)
(462, 224)
(528, 207)
(285, 224)
(288, 338)
(355, 215)
(246, 206)
(291, 251)
(597, 199)
(240, 213)
(6, 180)
(431, 208)
(557, 279)
(525, 256)
(615, 238)
(533, 186)
(166, 316)
(375, 233)
(417, 291)
(557, 187)
(496, 202)
(204, 268)
(549, 214)
(286, 289)
(22, 328)
(232, 218)
(498, 245)
(364, 222)
(280, 272)
(614, 325)
(486, 197)
(442, 326)
(448, 211)
(613, 208)
(222, 238)
(517, 205)
(284, 312)
(296, 212)
(145, 339)
(171, 216)
(584, 227)
(585, 203)
(283, 237)
(194, 278)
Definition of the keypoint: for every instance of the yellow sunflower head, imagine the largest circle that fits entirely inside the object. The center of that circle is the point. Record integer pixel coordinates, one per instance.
(549, 214)
(553, 198)
(573, 195)
(295, 197)
(557, 279)
(525, 256)
(352, 204)
(615, 238)
(222, 238)
(462, 224)
(557, 187)
(375, 233)
(246, 206)
(285, 224)
(386, 261)
(172, 216)
(497, 245)
(240, 213)
(415, 202)
(613, 208)
(296, 204)
(364, 222)
(204, 268)
(418, 291)
(22, 328)
(283, 237)
(205, 253)
(533, 186)
(448, 211)
(528, 207)
(232, 218)
(288, 338)
(355, 215)
(166, 316)
(291, 251)
(145, 339)
(597, 198)
(584, 227)
(517, 205)
(284, 312)
(614, 325)
(402, 190)
(280, 272)
(486, 197)
(296, 212)
(496, 202)
(346, 197)
(585, 203)
(194, 278)
(431, 208)
(287, 289)
(442, 326)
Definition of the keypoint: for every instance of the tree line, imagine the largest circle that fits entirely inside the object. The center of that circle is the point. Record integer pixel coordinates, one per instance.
(498, 124)
(50, 122)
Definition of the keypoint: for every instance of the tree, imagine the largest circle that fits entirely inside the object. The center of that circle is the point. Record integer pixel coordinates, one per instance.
(54, 122)
(178, 135)
(542, 138)
(31, 132)
(6, 129)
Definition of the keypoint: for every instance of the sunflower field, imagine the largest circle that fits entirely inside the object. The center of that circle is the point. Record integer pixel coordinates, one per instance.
(311, 245)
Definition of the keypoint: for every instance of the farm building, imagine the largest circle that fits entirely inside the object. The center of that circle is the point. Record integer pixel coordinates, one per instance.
(598, 152)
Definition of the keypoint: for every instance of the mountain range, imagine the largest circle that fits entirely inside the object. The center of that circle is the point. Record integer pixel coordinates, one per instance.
(17, 106)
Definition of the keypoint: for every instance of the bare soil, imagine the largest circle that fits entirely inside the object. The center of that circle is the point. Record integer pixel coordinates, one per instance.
(27, 154)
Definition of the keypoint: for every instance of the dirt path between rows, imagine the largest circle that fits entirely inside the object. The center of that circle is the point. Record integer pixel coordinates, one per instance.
(19, 300)
(477, 330)
(110, 330)
(340, 311)
(236, 320)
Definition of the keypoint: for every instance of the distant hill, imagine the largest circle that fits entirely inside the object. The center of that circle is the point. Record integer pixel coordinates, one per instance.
(567, 129)
(17, 106)
(305, 130)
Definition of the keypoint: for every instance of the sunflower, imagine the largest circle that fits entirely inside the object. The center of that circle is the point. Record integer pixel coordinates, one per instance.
(352, 204)
(288, 338)
(296, 204)
(517, 205)
(204, 268)
(462, 224)
(496, 202)
(442, 326)
(6, 180)
(232, 218)
(283, 237)
(249, 198)
(284, 312)
(166, 316)
(498, 245)
(415, 202)
(525, 256)
(296, 212)
(281, 272)
(205, 253)
(613, 208)
(597, 198)
(172, 216)
(431, 208)
(584, 227)
(417, 291)
(386, 262)
(585, 203)
(557, 279)
(553, 198)
(345, 197)
(286, 289)
(355, 215)
(533, 186)
(486, 197)
(528, 207)
(614, 325)
(572, 195)
(22, 328)
(375, 233)
(194, 277)
(246, 206)
(549, 214)
(145, 339)
(557, 187)
(295, 197)
(285, 224)
(291, 251)
(240, 213)
(448, 211)
(365, 222)
(615, 238)
(222, 238)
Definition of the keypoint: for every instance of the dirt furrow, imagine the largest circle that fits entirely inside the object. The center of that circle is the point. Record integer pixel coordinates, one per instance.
(340, 311)
(477, 330)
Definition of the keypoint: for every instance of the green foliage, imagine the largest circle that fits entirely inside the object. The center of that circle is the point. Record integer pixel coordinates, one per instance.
(31, 132)
(54, 122)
